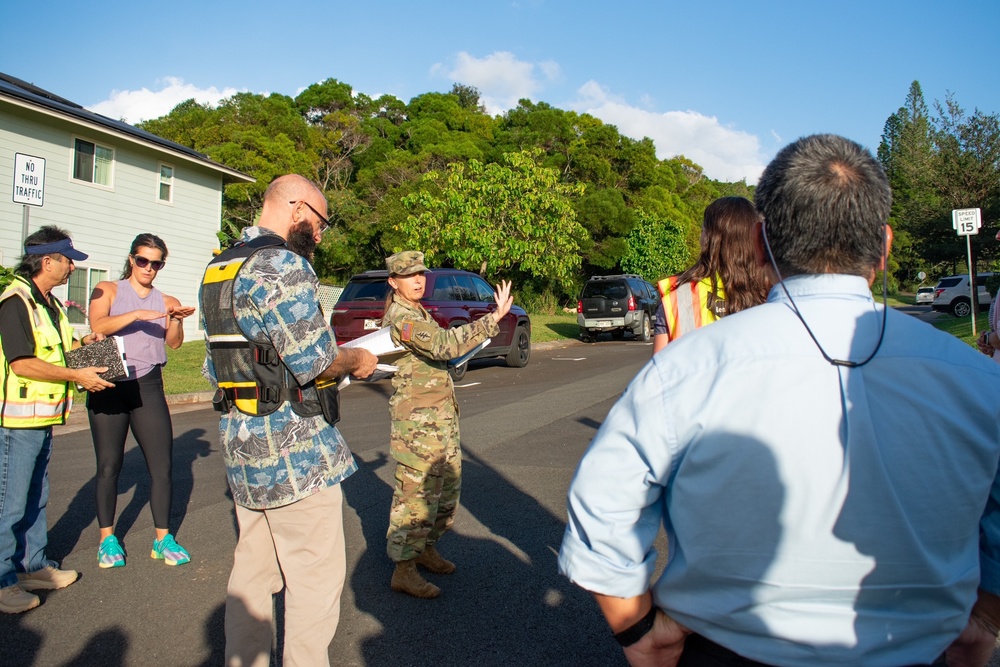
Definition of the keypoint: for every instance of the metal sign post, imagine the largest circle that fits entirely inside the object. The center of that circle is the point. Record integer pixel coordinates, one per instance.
(966, 222)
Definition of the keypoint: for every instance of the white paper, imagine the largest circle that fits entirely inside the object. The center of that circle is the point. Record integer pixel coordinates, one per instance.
(458, 361)
(380, 344)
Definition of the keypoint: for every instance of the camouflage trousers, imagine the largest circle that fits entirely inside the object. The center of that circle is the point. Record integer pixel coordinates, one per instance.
(424, 502)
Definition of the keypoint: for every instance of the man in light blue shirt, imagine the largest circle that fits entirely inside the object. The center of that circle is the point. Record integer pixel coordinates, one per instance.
(825, 469)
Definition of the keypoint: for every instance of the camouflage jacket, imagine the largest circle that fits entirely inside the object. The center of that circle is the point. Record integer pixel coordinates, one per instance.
(422, 381)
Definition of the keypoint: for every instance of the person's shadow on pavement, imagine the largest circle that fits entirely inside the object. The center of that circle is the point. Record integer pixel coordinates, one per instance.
(81, 514)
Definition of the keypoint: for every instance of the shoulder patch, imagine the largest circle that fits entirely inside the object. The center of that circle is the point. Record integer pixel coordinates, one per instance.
(407, 333)
(423, 335)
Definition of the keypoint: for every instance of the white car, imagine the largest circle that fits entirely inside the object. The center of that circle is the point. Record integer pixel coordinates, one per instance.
(925, 295)
(952, 294)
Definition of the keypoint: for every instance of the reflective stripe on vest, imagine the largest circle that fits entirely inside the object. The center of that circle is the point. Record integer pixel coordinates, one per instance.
(685, 306)
(251, 375)
(31, 403)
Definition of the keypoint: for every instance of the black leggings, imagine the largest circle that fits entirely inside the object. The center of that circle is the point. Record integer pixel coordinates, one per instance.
(138, 404)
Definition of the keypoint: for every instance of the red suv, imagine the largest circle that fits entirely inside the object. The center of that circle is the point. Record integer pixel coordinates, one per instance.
(452, 297)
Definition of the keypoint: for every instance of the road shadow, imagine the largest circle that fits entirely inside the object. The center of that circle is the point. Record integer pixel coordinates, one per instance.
(20, 644)
(506, 602)
(65, 534)
(107, 648)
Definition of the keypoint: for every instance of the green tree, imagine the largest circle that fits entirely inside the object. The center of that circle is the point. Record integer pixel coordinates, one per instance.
(495, 217)
(936, 164)
(656, 248)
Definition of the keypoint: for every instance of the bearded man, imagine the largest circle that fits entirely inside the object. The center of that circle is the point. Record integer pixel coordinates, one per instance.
(275, 361)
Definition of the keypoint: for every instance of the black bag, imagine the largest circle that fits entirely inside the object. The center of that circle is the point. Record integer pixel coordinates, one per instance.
(329, 400)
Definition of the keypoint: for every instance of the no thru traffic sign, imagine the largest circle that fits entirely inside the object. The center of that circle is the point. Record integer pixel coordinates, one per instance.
(29, 179)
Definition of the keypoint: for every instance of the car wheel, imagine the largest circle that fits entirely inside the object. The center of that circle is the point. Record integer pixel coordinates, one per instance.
(645, 331)
(458, 372)
(961, 307)
(520, 349)
(587, 336)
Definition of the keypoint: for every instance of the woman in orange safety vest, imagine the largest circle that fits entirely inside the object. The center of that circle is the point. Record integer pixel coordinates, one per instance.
(727, 277)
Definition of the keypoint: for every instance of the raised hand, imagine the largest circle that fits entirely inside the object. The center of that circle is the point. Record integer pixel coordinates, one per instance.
(503, 298)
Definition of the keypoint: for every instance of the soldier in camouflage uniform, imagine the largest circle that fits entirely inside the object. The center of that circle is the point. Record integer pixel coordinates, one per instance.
(424, 438)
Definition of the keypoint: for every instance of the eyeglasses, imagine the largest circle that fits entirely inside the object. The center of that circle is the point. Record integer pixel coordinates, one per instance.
(324, 224)
(143, 262)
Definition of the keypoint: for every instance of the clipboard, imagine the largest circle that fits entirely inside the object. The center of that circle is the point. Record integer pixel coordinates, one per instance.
(109, 352)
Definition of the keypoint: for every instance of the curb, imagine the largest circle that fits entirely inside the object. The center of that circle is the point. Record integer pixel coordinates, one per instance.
(185, 399)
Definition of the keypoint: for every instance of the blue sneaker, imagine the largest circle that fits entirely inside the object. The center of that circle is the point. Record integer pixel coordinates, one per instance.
(169, 551)
(110, 553)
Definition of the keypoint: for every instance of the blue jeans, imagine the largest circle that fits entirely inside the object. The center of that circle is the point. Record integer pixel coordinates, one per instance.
(24, 493)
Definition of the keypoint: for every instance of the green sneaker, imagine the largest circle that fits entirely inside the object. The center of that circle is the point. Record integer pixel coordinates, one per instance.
(110, 553)
(169, 551)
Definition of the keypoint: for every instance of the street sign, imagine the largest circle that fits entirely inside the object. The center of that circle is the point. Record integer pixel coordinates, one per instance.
(29, 179)
(966, 221)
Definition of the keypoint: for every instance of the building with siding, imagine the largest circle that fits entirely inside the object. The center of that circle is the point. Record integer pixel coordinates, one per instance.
(105, 182)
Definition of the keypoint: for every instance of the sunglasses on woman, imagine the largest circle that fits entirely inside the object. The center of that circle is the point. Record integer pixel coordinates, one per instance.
(143, 262)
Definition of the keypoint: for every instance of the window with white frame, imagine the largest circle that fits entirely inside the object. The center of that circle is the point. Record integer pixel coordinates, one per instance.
(81, 284)
(93, 163)
(166, 186)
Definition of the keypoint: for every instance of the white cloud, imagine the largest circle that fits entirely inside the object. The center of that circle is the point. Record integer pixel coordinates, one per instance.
(501, 78)
(134, 106)
(725, 154)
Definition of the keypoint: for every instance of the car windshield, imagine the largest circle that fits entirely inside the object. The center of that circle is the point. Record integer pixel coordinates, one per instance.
(365, 290)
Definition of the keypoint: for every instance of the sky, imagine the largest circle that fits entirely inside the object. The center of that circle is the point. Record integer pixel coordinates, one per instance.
(724, 83)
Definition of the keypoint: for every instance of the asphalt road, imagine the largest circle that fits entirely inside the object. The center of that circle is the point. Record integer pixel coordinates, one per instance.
(523, 431)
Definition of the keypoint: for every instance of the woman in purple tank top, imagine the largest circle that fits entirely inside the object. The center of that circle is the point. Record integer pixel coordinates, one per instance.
(146, 319)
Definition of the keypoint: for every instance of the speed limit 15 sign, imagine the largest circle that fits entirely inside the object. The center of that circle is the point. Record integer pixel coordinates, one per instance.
(966, 221)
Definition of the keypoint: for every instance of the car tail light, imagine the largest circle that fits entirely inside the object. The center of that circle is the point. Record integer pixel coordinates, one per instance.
(631, 303)
(937, 292)
(579, 306)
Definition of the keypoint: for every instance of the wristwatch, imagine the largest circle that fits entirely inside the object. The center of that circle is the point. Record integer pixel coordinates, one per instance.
(637, 631)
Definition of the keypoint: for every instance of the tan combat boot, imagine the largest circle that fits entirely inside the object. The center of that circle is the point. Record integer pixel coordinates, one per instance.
(433, 561)
(407, 580)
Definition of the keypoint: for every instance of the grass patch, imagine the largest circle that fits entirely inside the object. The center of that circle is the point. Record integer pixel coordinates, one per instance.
(182, 374)
(554, 327)
(961, 327)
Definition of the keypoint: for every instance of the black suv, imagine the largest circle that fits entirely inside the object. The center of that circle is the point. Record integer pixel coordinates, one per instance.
(617, 304)
(452, 297)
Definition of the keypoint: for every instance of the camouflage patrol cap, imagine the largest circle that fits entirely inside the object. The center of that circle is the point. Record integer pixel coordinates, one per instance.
(406, 262)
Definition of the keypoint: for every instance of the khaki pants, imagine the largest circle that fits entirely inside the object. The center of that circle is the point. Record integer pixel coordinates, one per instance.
(299, 547)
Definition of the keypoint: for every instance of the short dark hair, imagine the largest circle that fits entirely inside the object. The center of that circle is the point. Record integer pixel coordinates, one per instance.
(825, 201)
(30, 266)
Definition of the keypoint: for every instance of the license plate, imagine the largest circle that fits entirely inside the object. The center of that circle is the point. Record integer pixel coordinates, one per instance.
(371, 324)
(604, 323)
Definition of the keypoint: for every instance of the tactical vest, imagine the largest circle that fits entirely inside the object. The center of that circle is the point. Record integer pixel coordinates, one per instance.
(686, 306)
(31, 403)
(250, 375)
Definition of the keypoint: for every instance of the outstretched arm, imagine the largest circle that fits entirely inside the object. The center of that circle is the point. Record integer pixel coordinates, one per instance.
(101, 320)
(175, 321)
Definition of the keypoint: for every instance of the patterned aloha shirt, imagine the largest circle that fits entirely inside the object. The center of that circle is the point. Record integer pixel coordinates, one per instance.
(277, 459)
